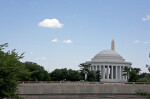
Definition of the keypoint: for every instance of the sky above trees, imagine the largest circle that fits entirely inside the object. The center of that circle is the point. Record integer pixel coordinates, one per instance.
(65, 33)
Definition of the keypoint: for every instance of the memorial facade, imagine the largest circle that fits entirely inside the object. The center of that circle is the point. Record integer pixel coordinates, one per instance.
(110, 64)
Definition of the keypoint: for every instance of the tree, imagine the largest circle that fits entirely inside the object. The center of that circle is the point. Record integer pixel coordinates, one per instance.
(126, 72)
(64, 74)
(84, 69)
(98, 75)
(91, 76)
(144, 77)
(137, 70)
(11, 71)
(73, 75)
(37, 72)
(59, 74)
(94, 76)
(133, 76)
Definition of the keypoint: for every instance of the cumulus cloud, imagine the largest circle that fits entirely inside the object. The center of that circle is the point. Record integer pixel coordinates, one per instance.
(50, 23)
(54, 40)
(67, 41)
(41, 58)
(146, 18)
(146, 42)
(136, 41)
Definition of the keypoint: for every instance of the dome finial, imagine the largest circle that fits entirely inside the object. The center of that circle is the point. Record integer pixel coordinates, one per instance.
(112, 45)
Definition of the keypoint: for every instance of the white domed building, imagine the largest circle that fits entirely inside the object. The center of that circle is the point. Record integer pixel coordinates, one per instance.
(110, 64)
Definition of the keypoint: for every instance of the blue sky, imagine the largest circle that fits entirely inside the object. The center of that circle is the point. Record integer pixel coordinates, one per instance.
(65, 33)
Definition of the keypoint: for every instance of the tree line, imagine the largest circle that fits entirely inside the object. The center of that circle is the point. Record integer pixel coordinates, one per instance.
(13, 72)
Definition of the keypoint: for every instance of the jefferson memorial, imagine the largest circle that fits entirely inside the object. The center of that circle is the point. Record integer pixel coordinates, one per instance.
(110, 64)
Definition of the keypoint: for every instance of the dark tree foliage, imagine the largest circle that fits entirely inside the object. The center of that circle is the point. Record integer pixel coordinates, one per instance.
(65, 75)
(11, 71)
(91, 76)
(126, 71)
(137, 70)
(98, 75)
(144, 77)
(37, 72)
(133, 76)
(94, 76)
(73, 75)
(84, 68)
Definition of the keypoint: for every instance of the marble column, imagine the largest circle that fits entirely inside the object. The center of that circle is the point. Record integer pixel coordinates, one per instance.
(111, 72)
(107, 72)
(116, 72)
(96, 68)
(103, 71)
(120, 72)
(100, 70)
(123, 73)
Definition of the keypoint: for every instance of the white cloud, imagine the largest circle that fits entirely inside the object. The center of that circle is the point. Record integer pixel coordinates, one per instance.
(54, 40)
(136, 41)
(50, 23)
(146, 42)
(40, 58)
(146, 18)
(67, 41)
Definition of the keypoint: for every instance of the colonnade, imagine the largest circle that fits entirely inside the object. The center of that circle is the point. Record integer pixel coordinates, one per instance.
(109, 72)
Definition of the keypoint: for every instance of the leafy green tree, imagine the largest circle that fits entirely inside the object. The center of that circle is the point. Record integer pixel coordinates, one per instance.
(59, 74)
(37, 72)
(98, 75)
(11, 71)
(84, 69)
(133, 76)
(94, 76)
(137, 70)
(144, 77)
(91, 76)
(73, 75)
(64, 74)
(126, 71)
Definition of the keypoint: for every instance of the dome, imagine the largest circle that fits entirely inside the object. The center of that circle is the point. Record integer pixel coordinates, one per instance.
(108, 56)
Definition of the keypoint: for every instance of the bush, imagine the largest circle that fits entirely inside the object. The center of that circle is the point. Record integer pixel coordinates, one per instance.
(142, 92)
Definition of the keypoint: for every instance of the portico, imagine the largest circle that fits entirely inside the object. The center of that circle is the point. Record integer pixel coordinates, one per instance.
(110, 73)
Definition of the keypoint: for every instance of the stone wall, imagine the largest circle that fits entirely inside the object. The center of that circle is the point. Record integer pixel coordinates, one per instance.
(69, 88)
